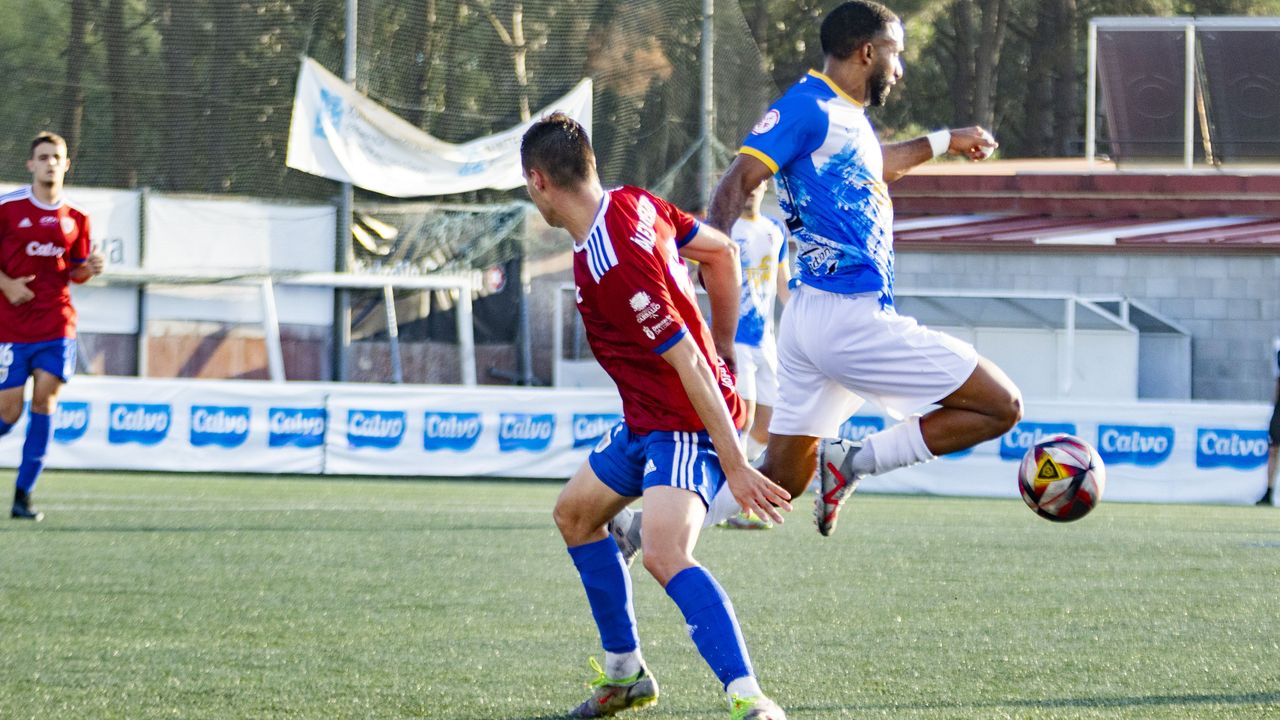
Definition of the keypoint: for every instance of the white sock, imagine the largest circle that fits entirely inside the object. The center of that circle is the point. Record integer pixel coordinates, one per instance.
(743, 687)
(723, 506)
(897, 447)
(621, 665)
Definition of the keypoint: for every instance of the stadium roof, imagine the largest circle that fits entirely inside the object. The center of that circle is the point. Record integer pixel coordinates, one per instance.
(1016, 232)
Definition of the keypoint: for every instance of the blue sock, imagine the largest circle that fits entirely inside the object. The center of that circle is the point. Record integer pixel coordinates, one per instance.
(5, 427)
(608, 586)
(39, 430)
(712, 624)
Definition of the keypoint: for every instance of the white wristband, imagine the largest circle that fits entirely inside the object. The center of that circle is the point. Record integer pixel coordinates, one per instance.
(940, 141)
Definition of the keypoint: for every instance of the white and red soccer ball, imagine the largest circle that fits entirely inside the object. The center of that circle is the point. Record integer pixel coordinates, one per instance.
(1062, 478)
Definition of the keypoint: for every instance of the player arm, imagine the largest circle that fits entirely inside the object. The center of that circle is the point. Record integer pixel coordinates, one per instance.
(720, 271)
(89, 262)
(784, 279)
(744, 175)
(901, 158)
(752, 490)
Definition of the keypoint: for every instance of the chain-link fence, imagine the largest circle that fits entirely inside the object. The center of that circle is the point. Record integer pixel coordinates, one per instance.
(195, 95)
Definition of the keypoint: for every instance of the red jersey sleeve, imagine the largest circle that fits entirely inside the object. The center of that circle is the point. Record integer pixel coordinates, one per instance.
(82, 246)
(635, 298)
(686, 225)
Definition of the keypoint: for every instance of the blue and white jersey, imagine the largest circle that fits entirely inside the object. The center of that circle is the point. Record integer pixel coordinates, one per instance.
(762, 244)
(1275, 357)
(830, 171)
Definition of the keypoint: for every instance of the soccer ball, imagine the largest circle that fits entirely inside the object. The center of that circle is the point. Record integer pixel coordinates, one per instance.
(1062, 478)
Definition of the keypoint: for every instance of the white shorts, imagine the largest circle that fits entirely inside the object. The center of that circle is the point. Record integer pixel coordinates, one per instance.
(758, 371)
(835, 351)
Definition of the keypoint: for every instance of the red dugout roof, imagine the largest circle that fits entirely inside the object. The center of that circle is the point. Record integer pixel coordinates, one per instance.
(1070, 205)
(998, 232)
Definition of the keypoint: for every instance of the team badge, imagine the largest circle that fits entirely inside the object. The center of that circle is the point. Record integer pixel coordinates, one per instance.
(68, 225)
(767, 123)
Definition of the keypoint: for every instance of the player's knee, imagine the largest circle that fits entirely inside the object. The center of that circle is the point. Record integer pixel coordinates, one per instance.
(44, 405)
(567, 520)
(663, 563)
(1008, 413)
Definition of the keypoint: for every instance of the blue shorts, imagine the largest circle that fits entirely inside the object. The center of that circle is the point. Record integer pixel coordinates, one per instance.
(19, 360)
(629, 462)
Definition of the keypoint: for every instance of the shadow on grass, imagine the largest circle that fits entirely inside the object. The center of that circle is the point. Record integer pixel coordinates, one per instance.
(1255, 698)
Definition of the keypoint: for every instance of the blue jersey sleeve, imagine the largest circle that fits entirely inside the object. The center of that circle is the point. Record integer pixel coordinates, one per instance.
(793, 127)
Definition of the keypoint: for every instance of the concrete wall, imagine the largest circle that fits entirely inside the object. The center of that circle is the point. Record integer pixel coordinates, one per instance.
(1230, 305)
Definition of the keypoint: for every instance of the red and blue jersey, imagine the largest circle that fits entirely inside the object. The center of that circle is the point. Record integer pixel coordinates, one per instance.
(44, 241)
(637, 301)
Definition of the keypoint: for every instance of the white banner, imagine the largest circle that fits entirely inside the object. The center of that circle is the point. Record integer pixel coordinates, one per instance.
(500, 432)
(342, 135)
(1154, 452)
(183, 426)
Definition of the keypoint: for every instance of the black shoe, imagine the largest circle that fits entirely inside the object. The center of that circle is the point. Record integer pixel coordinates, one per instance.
(22, 509)
(1266, 498)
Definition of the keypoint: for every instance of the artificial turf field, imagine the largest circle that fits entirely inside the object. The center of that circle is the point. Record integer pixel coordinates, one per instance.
(180, 596)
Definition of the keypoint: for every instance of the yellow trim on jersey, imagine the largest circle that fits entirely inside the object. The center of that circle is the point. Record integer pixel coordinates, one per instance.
(759, 156)
(834, 88)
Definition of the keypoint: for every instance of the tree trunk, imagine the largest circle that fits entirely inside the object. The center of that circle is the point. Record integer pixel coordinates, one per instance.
(178, 44)
(1038, 119)
(217, 123)
(124, 171)
(962, 53)
(995, 20)
(73, 95)
(1066, 103)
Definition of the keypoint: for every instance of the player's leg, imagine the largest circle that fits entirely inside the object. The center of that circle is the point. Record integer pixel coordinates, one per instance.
(686, 472)
(986, 406)
(1273, 452)
(808, 404)
(14, 370)
(585, 504)
(766, 387)
(52, 363)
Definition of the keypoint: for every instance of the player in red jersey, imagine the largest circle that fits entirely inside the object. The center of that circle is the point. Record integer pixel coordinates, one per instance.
(678, 440)
(44, 245)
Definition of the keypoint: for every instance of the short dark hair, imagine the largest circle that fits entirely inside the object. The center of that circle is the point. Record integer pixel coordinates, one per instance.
(558, 146)
(852, 25)
(47, 137)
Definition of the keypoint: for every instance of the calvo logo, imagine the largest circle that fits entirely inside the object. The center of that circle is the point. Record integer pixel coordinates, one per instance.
(521, 431)
(450, 431)
(588, 428)
(1231, 448)
(296, 427)
(1143, 445)
(1015, 443)
(860, 426)
(141, 423)
(382, 429)
(219, 425)
(70, 421)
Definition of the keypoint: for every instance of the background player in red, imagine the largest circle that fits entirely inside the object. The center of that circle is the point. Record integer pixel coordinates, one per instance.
(677, 442)
(44, 246)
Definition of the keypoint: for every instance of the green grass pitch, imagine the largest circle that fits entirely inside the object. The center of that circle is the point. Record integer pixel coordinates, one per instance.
(175, 596)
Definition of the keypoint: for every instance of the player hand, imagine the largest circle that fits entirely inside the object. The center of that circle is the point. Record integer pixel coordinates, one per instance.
(974, 143)
(95, 263)
(727, 354)
(16, 290)
(757, 493)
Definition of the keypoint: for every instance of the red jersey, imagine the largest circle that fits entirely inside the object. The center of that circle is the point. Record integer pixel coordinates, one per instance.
(637, 301)
(45, 241)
